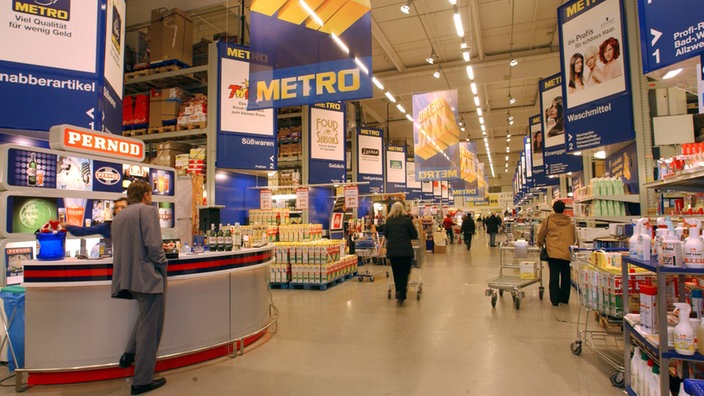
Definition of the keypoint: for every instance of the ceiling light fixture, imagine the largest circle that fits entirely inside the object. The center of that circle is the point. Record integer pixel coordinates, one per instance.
(479, 111)
(473, 86)
(470, 73)
(400, 108)
(431, 58)
(513, 62)
(458, 23)
(453, 2)
(601, 154)
(339, 43)
(465, 56)
(406, 7)
(391, 97)
(377, 83)
(483, 128)
(310, 12)
(671, 74)
(481, 120)
(508, 149)
(476, 100)
(511, 99)
(409, 117)
(437, 73)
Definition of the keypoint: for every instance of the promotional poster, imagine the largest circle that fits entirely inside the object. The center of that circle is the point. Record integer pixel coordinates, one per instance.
(370, 160)
(396, 169)
(436, 135)
(596, 88)
(327, 143)
(536, 141)
(555, 157)
(624, 165)
(414, 188)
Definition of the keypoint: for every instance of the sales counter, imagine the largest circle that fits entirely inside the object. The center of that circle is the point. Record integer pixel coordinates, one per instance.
(216, 302)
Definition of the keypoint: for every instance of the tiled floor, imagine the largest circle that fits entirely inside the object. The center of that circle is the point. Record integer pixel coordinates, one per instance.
(352, 340)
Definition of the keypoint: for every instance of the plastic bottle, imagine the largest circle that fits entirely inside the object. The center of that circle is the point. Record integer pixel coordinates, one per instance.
(645, 241)
(633, 240)
(694, 247)
(645, 380)
(635, 367)
(654, 383)
(641, 372)
(684, 334)
(697, 303)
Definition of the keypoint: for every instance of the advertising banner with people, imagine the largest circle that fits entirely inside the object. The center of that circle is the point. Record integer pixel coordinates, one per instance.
(249, 133)
(597, 99)
(414, 188)
(473, 181)
(623, 165)
(65, 61)
(327, 143)
(427, 189)
(370, 160)
(309, 56)
(555, 158)
(527, 156)
(670, 31)
(396, 169)
(535, 126)
(436, 135)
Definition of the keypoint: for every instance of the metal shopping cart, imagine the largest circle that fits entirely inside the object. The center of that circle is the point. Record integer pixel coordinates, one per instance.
(597, 276)
(515, 273)
(371, 250)
(415, 283)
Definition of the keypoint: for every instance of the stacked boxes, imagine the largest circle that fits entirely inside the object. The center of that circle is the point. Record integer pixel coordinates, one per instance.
(164, 106)
(135, 110)
(171, 36)
(318, 262)
(166, 153)
(196, 161)
(194, 111)
(300, 232)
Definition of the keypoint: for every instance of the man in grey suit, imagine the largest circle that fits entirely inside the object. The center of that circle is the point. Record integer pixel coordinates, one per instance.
(139, 273)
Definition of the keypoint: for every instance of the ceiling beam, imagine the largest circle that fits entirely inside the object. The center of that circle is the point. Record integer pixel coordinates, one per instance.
(368, 110)
(387, 47)
(476, 26)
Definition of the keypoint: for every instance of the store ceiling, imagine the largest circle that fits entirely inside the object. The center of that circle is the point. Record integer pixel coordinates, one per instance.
(496, 31)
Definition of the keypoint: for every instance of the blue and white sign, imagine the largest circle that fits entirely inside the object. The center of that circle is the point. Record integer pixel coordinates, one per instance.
(536, 140)
(250, 134)
(370, 160)
(670, 31)
(414, 187)
(597, 99)
(555, 157)
(396, 169)
(327, 143)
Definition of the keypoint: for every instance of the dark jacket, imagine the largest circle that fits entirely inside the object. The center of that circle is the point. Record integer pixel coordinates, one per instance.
(492, 224)
(468, 226)
(101, 228)
(398, 232)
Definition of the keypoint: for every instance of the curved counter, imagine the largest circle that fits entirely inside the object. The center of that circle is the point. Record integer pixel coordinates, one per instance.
(75, 332)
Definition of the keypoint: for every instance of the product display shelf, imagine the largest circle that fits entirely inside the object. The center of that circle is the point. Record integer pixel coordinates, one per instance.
(632, 198)
(664, 355)
(190, 134)
(188, 77)
(690, 180)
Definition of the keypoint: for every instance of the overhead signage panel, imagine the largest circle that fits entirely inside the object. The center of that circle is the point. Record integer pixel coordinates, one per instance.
(396, 169)
(436, 135)
(327, 143)
(555, 157)
(370, 159)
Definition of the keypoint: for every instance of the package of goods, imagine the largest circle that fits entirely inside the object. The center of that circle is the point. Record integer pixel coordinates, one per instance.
(198, 153)
(127, 110)
(440, 238)
(193, 111)
(529, 269)
(440, 249)
(171, 36)
(181, 164)
(141, 110)
(166, 153)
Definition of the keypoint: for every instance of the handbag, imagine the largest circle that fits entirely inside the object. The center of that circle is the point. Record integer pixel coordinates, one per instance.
(544, 250)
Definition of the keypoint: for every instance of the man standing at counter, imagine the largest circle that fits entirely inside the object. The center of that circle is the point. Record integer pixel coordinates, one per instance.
(139, 273)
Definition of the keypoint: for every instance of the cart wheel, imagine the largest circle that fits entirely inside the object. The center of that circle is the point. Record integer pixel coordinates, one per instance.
(517, 303)
(371, 278)
(493, 300)
(576, 348)
(388, 294)
(541, 292)
(501, 293)
(617, 379)
(360, 278)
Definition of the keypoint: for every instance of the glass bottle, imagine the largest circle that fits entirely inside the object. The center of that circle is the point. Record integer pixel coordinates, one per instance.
(221, 238)
(213, 238)
(32, 171)
(237, 237)
(228, 238)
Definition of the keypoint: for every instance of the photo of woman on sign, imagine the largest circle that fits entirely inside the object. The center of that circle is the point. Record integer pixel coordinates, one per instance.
(609, 52)
(593, 75)
(554, 115)
(576, 73)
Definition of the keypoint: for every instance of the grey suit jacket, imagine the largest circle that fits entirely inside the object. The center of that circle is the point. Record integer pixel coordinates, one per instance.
(139, 263)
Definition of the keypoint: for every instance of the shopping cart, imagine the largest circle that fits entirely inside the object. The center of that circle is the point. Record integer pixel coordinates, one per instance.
(371, 251)
(415, 283)
(515, 273)
(597, 276)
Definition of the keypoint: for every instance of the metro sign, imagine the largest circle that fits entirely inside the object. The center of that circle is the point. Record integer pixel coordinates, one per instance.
(82, 140)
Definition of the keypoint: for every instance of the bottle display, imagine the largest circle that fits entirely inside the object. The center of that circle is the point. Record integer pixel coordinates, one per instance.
(32, 171)
(237, 237)
(228, 238)
(684, 334)
(221, 239)
(213, 238)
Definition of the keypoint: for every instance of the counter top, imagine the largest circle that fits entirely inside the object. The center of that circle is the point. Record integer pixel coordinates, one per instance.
(74, 271)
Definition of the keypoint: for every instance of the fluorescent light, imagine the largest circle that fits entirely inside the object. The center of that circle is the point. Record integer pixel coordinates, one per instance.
(513, 62)
(481, 120)
(508, 149)
(310, 12)
(400, 108)
(577, 153)
(465, 56)
(511, 100)
(601, 154)
(361, 65)
(470, 72)
(483, 128)
(507, 160)
(391, 97)
(458, 24)
(453, 2)
(473, 86)
(339, 43)
(479, 111)
(462, 129)
(671, 74)
(406, 8)
(377, 83)
(408, 116)
(430, 60)
(486, 140)
(463, 45)
(476, 100)
(510, 122)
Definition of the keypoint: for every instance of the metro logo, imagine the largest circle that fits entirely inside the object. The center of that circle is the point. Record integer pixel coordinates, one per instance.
(54, 9)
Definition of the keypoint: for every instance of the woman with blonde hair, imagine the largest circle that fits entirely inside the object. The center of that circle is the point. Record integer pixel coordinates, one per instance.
(593, 75)
(398, 231)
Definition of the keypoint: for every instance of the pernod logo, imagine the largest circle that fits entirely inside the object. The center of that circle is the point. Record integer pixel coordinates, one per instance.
(107, 176)
(54, 9)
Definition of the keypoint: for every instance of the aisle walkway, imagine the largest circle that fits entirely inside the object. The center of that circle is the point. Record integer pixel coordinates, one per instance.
(351, 340)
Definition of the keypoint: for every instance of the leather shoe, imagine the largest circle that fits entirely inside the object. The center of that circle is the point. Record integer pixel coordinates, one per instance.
(126, 360)
(139, 389)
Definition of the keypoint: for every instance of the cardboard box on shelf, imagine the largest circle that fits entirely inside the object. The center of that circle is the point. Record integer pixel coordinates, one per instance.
(197, 153)
(166, 153)
(141, 110)
(164, 105)
(181, 164)
(171, 36)
(127, 110)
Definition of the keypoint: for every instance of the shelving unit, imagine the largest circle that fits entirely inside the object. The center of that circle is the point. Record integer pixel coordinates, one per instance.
(632, 198)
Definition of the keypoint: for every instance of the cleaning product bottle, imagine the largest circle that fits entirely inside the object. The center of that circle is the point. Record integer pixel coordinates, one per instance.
(645, 385)
(635, 367)
(645, 241)
(697, 303)
(684, 334)
(654, 384)
(641, 372)
(694, 247)
(633, 240)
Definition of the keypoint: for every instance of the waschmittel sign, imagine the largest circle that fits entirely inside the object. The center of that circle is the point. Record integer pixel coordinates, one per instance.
(301, 60)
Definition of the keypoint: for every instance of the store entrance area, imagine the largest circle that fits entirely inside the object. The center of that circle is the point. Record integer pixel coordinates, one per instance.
(351, 340)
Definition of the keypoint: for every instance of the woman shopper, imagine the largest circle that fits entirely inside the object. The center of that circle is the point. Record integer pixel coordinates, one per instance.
(468, 228)
(448, 223)
(398, 231)
(557, 233)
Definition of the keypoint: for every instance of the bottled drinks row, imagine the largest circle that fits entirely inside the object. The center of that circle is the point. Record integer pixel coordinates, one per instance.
(224, 238)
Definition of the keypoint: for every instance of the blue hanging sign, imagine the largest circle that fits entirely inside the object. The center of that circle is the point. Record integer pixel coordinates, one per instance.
(555, 157)
(595, 74)
(535, 126)
(327, 143)
(396, 169)
(670, 32)
(414, 187)
(370, 160)
(623, 164)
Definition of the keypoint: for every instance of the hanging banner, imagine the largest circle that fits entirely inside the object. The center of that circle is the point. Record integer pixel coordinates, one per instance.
(265, 199)
(598, 108)
(670, 32)
(370, 165)
(288, 74)
(623, 165)
(444, 189)
(396, 169)
(327, 143)
(528, 158)
(555, 158)
(413, 187)
(351, 197)
(436, 135)
(250, 134)
(536, 141)
(437, 189)
(302, 198)
(426, 190)
(474, 181)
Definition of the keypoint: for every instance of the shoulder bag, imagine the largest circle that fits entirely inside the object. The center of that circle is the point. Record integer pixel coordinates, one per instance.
(544, 250)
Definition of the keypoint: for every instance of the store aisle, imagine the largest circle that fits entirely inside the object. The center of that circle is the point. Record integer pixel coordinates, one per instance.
(352, 340)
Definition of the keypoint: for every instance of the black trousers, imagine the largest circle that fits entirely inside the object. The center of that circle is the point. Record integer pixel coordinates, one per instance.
(401, 267)
(559, 281)
(468, 240)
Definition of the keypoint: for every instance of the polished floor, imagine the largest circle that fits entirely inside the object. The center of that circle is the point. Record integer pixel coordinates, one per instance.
(352, 340)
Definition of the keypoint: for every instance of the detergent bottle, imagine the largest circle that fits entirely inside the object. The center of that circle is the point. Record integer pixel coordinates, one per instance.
(633, 240)
(684, 334)
(644, 241)
(694, 247)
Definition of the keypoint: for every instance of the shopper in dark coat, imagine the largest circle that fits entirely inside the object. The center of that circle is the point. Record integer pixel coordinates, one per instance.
(398, 231)
(492, 227)
(468, 229)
